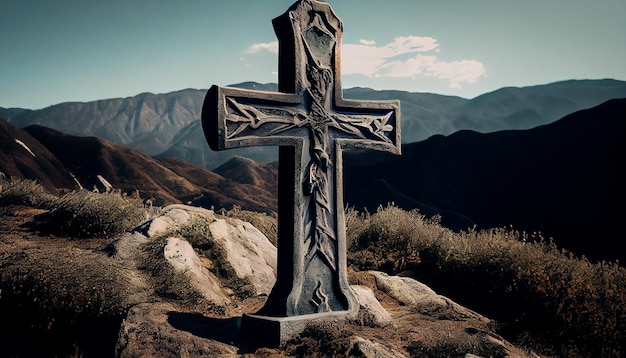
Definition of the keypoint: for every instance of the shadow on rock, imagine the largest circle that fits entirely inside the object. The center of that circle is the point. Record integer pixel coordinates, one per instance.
(225, 330)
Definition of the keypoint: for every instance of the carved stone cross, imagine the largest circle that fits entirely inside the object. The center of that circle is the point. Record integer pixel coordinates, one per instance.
(311, 123)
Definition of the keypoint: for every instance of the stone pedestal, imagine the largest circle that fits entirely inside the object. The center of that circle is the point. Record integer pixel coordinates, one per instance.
(269, 331)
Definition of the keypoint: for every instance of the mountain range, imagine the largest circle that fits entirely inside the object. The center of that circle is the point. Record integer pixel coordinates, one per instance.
(168, 125)
(564, 179)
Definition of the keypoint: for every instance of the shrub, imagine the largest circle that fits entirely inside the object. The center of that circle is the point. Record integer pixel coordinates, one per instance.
(391, 239)
(64, 299)
(87, 214)
(543, 297)
(25, 192)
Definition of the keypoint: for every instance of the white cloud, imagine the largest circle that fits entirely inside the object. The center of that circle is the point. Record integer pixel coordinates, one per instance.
(408, 57)
(408, 68)
(262, 47)
(404, 57)
(457, 72)
(367, 42)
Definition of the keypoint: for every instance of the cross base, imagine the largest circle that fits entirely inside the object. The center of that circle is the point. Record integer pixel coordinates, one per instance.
(274, 332)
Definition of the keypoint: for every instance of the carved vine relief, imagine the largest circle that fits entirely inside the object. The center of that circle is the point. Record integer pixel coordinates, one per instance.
(247, 117)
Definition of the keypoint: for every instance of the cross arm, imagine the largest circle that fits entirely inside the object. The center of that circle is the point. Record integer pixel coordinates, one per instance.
(377, 120)
(234, 117)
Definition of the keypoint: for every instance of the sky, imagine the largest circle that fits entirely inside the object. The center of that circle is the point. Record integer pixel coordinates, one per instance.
(54, 51)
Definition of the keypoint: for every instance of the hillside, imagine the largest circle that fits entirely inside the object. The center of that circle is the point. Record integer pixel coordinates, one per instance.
(564, 179)
(23, 157)
(167, 124)
(528, 107)
(163, 181)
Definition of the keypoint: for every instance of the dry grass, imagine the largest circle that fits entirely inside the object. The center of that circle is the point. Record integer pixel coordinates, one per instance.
(25, 192)
(87, 214)
(76, 214)
(544, 298)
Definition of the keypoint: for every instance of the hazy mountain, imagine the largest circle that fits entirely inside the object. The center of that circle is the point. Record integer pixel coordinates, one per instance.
(146, 122)
(565, 179)
(11, 112)
(23, 157)
(164, 181)
(190, 145)
(422, 114)
(528, 107)
(168, 124)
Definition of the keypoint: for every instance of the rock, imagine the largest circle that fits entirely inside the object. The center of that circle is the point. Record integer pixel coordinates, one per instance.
(368, 349)
(405, 290)
(249, 252)
(173, 216)
(410, 292)
(182, 257)
(127, 246)
(160, 330)
(371, 313)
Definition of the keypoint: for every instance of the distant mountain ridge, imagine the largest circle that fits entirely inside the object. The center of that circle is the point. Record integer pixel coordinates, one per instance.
(146, 122)
(168, 124)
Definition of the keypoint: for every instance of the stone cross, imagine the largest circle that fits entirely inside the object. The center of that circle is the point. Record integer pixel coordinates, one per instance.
(311, 123)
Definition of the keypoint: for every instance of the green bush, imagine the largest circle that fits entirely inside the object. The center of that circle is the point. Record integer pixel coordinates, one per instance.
(87, 214)
(545, 298)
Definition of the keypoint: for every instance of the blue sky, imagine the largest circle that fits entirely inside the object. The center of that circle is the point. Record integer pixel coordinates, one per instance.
(56, 51)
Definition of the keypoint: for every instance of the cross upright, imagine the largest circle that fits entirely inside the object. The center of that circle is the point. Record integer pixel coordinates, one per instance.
(311, 123)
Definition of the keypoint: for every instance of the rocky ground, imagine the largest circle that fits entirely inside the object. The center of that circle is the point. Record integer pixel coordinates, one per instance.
(178, 286)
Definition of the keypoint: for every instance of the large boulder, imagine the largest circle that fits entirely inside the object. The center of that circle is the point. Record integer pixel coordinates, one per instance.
(181, 256)
(409, 292)
(371, 312)
(250, 254)
(248, 251)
